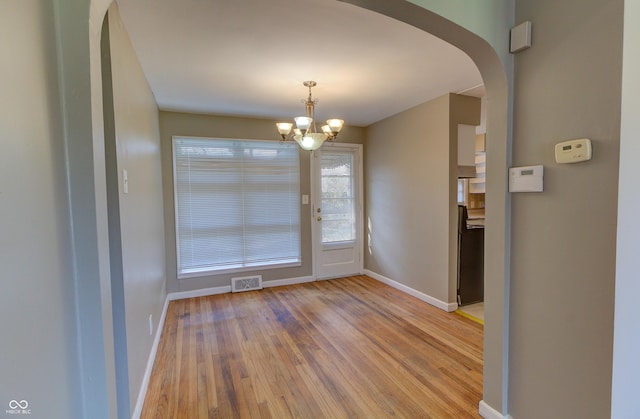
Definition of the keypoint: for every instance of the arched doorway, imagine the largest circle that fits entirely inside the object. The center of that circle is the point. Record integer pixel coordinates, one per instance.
(81, 61)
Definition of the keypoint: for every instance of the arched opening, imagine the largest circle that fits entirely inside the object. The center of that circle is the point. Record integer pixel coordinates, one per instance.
(496, 256)
(114, 226)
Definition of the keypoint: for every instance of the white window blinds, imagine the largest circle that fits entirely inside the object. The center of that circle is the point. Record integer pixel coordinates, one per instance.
(236, 204)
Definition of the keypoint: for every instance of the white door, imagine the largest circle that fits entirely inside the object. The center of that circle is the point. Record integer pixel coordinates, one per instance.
(337, 210)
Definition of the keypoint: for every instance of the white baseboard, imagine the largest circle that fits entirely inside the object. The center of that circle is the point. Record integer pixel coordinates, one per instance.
(290, 281)
(488, 412)
(448, 307)
(152, 358)
(181, 295)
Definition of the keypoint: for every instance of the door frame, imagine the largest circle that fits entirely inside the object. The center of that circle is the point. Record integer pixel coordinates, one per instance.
(316, 245)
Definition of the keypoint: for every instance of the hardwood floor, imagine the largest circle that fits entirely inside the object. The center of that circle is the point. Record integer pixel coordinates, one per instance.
(345, 348)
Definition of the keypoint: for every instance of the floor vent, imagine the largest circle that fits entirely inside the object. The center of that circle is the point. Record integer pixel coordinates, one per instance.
(247, 283)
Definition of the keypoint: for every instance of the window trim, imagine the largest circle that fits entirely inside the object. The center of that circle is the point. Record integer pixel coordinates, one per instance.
(247, 267)
(210, 272)
(465, 191)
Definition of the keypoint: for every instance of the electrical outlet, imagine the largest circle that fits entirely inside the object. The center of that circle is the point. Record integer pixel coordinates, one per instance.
(150, 324)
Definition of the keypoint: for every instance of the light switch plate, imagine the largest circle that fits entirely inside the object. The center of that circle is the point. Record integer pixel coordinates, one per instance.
(125, 181)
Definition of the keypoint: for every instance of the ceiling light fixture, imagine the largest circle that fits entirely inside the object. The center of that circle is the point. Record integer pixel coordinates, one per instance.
(305, 133)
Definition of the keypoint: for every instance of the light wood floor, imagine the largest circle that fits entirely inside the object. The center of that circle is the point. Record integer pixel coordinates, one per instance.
(345, 348)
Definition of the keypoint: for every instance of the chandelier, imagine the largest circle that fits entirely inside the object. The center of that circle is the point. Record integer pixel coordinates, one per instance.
(305, 133)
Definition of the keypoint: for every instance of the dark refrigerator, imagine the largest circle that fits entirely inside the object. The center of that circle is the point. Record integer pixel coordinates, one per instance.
(470, 260)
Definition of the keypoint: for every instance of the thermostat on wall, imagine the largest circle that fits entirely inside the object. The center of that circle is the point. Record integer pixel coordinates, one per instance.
(526, 179)
(573, 151)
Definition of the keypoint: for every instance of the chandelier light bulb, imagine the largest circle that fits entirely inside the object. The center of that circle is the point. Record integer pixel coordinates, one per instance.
(303, 122)
(284, 128)
(307, 142)
(335, 124)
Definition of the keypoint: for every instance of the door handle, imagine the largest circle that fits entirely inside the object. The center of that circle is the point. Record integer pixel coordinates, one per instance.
(319, 218)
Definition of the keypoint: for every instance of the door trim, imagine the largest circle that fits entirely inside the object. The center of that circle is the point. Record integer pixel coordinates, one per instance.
(315, 231)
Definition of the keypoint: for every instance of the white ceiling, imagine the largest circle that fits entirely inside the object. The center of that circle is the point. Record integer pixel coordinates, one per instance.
(250, 57)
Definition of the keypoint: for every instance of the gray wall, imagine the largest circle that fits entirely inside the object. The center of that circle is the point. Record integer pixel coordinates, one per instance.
(567, 86)
(410, 183)
(78, 30)
(38, 326)
(176, 124)
(140, 233)
(489, 19)
(626, 363)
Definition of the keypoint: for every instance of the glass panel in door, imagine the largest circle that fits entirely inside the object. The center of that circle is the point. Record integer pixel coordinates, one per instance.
(338, 200)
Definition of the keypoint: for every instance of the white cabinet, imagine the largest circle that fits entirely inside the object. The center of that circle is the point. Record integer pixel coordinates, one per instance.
(481, 164)
(477, 184)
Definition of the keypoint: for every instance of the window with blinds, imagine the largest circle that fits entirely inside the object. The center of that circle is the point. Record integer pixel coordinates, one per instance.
(237, 205)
